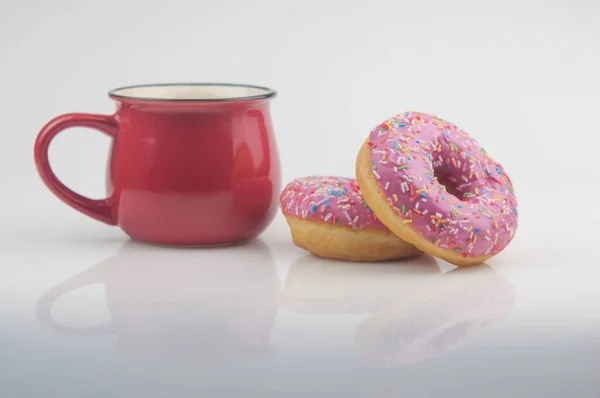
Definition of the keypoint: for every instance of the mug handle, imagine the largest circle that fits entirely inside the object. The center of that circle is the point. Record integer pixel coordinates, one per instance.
(45, 303)
(97, 209)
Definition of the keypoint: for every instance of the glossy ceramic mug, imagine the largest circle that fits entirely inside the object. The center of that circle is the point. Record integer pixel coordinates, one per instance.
(190, 164)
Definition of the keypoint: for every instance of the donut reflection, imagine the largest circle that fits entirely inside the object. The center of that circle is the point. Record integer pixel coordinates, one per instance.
(199, 305)
(319, 286)
(415, 311)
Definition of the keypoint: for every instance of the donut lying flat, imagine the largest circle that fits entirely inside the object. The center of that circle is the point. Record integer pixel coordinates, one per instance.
(435, 187)
(329, 217)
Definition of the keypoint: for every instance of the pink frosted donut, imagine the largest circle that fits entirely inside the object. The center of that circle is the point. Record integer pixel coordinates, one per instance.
(437, 188)
(329, 217)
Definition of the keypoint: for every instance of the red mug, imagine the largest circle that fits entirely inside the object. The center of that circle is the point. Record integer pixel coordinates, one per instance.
(190, 164)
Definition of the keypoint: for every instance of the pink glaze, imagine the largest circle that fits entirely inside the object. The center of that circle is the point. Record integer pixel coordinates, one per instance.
(443, 184)
(331, 200)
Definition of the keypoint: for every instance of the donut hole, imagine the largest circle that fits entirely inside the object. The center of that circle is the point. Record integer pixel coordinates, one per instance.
(450, 182)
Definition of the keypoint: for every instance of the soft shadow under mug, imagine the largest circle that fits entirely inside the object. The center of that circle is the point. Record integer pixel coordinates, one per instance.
(190, 164)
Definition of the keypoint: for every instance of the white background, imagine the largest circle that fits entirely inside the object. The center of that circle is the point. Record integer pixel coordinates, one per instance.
(520, 76)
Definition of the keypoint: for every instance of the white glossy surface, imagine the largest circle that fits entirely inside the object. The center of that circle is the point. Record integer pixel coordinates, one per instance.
(98, 315)
(266, 319)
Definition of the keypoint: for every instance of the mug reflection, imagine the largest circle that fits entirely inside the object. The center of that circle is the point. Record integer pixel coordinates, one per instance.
(213, 304)
(415, 311)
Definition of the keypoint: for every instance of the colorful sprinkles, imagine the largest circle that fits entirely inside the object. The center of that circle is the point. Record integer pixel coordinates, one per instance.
(443, 184)
(331, 200)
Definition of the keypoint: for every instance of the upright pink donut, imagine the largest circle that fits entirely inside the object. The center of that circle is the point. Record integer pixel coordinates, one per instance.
(437, 188)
